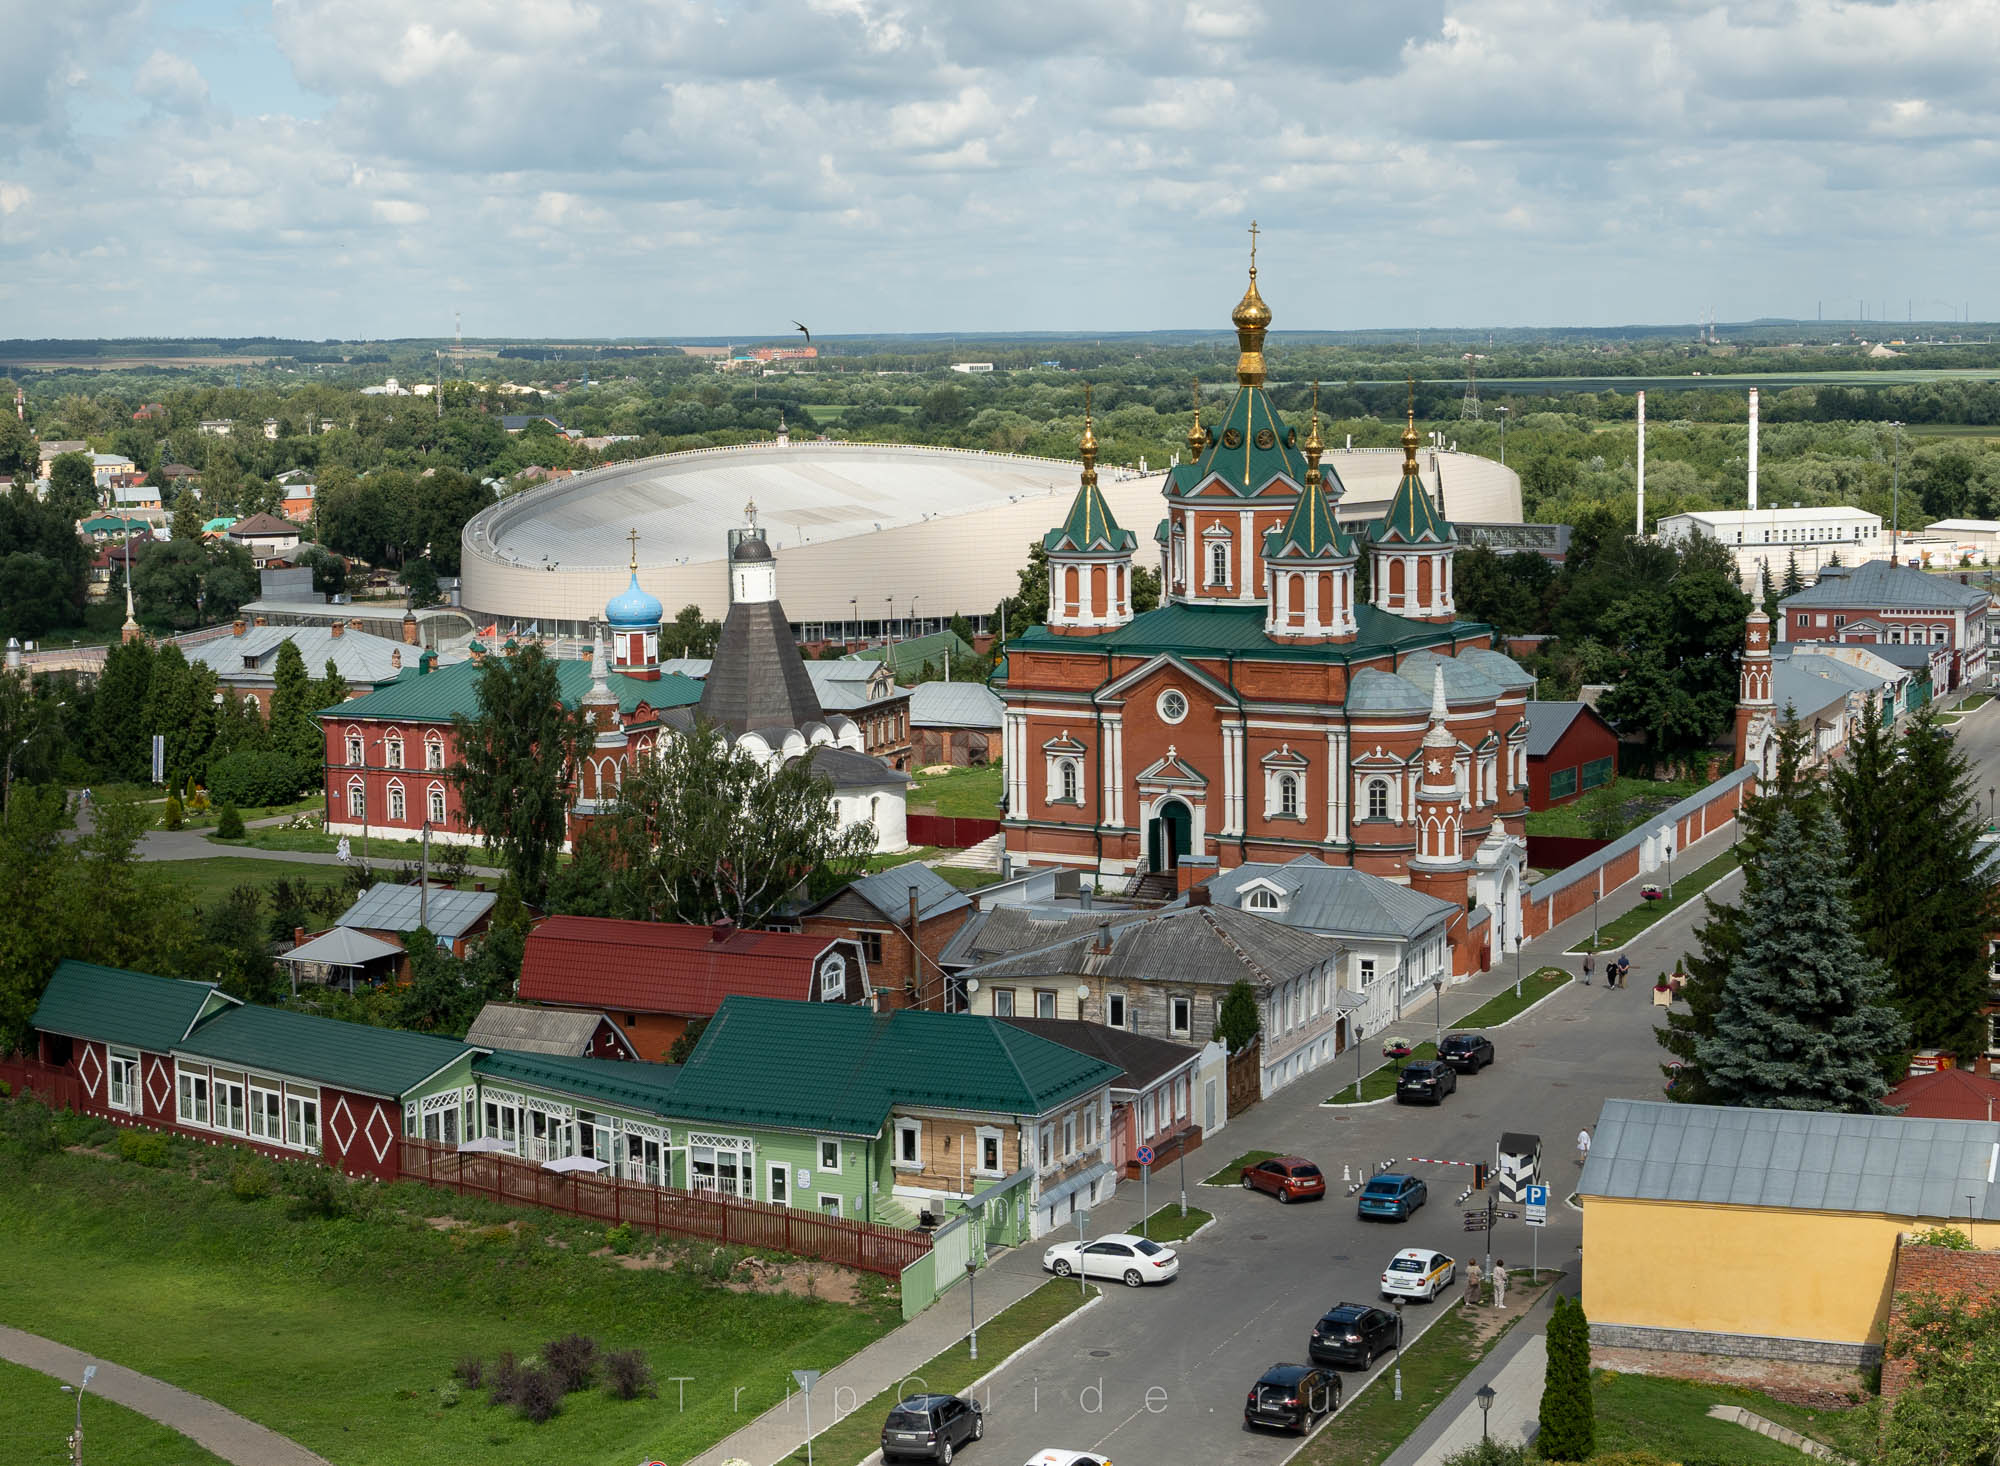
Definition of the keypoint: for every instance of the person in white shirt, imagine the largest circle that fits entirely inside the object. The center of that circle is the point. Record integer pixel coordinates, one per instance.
(1582, 1145)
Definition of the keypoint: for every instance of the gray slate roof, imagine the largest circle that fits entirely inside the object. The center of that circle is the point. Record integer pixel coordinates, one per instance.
(842, 686)
(527, 1030)
(1462, 680)
(1499, 667)
(954, 705)
(389, 908)
(1547, 722)
(757, 678)
(1878, 584)
(344, 946)
(851, 770)
(362, 659)
(999, 931)
(1206, 945)
(1809, 1160)
(1335, 898)
(1145, 1059)
(1376, 691)
(888, 891)
(1803, 688)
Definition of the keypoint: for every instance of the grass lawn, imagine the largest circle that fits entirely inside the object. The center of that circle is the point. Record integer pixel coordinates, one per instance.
(1380, 1083)
(378, 848)
(1669, 1417)
(205, 881)
(1637, 800)
(1232, 1174)
(1978, 699)
(902, 857)
(37, 1416)
(339, 1333)
(207, 818)
(1168, 1225)
(1534, 987)
(1369, 1430)
(859, 1431)
(966, 879)
(961, 794)
(1688, 886)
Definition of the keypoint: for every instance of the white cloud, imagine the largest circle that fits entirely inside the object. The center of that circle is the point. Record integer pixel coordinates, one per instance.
(171, 83)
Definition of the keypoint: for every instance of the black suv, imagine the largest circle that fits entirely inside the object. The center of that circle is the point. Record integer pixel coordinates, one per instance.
(930, 1428)
(1427, 1079)
(1292, 1397)
(1467, 1053)
(1354, 1334)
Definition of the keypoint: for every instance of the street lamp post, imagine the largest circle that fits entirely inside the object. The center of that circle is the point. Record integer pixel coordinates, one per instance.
(1503, 435)
(76, 1436)
(1437, 1008)
(1485, 1398)
(971, 1305)
(1670, 872)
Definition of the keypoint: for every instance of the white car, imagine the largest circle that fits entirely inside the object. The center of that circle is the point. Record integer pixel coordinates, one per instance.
(1133, 1261)
(1418, 1272)
(1067, 1458)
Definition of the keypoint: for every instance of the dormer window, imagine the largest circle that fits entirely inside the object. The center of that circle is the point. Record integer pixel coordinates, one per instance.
(1261, 899)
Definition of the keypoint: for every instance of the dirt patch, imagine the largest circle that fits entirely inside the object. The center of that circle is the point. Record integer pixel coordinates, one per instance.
(1811, 1386)
(1486, 1321)
(800, 1279)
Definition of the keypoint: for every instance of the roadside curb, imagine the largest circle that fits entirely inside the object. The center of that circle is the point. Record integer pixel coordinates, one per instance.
(1555, 992)
(1347, 1399)
(1663, 916)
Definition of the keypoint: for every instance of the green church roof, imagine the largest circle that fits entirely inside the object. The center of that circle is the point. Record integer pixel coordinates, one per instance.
(1250, 423)
(1218, 630)
(436, 696)
(1312, 533)
(1413, 518)
(1090, 527)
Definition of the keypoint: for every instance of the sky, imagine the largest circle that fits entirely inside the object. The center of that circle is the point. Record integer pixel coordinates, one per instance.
(671, 168)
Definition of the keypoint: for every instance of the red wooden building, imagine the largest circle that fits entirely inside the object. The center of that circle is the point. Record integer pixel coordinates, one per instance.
(1571, 750)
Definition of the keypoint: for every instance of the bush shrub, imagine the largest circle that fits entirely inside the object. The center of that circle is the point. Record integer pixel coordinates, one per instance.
(470, 1371)
(143, 1147)
(173, 818)
(571, 1361)
(250, 777)
(1568, 1421)
(627, 1375)
(503, 1381)
(537, 1396)
(28, 1126)
(250, 1179)
(316, 1190)
(448, 1393)
(622, 1239)
(1947, 1237)
(1489, 1453)
(229, 824)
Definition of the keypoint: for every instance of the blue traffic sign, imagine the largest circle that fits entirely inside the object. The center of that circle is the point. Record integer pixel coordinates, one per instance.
(1144, 1155)
(1538, 1206)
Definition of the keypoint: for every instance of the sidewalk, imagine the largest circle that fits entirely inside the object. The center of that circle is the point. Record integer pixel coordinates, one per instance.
(780, 1431)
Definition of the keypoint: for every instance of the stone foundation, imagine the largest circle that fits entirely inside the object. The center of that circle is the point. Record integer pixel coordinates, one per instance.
(1743, 1346)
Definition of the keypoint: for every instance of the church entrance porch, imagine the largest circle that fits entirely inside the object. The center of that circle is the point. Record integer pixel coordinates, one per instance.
(1169, 835)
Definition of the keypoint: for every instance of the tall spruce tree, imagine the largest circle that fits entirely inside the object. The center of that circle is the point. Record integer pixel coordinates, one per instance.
(1804, 1021)
(1923, 899)
(1719, 939)
(1568, 1418)
(1767, 593)
(1794, 582)
(295, 731)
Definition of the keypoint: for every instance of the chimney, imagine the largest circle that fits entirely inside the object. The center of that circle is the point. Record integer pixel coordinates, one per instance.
(396, 659)
(1103, 942)
(338, 629)
(298, 936)
(1753, 447)
(239, 626)
(1198, 896)
(721, 929)
(1641, 529)
(426, 661)
(263, 621)
(410, 627)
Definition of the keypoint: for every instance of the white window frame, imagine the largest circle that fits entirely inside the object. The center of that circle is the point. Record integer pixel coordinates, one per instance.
(228, 1104)
(1065, 781)
(267, 1110)
(357, 798)
(1048, 1146)
(1146, 1114)
(1220, 555)
(434, 798)
(912, 1132)
(1261, 898)
(1003, 1003)
(829, 1145)
(744, 1163)
(302, 1122)
(1290, 797)
(122, 1093)
(1053, 1003)
(836, 1206)
(1167, 701)
(832, 978)
(433, 751)
(357, 748)
(392, 751)
(981, 1135)
(192, 1094)
(398, 807)
(1375, 785)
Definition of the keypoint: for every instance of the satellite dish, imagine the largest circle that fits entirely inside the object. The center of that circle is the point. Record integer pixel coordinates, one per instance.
(1083, 990)
(972, 984)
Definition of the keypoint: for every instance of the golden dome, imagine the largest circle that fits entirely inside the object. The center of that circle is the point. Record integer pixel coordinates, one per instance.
(1196, 439)
(1252, 319)
(1410, 434)
(1089, 443)
(1314, 447)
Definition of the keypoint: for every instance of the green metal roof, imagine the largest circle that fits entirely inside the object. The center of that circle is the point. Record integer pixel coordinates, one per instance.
(836, 1069)
(113, 1005)
(1249, 465)
(1312, 533)
(1090, 526)
(386, 1062)
(443, 692)
(910, 655)
(1216, 630)
(114, 524)
(638, 1086)
(1413, 518)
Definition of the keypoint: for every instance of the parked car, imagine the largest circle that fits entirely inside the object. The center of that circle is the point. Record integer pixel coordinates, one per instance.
(1287, 1177)
(1417, 1272)
(1292, 1397)
(1392, 1195)
(1466, 1053)
(931, 1428)
(1427, 1079)
(1133, 1261)
(1060, 1457)
(1354, 1334)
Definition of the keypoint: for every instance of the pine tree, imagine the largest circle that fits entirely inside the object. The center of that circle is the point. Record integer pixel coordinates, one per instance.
(1767, 594)
(119, 746)
(187, 518)
(1868, 804)
(331, 690)
(1720, 938)
(1568, 1418)
(1794, 582)
(295, 731)
(1923, 900)
(1803, 1023)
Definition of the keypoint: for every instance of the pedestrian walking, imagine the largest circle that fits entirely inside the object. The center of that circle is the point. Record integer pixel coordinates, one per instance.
(1624, 967)
(1583, 1145)
(1471, 1283)
(1589, 966)
(1499, 1282)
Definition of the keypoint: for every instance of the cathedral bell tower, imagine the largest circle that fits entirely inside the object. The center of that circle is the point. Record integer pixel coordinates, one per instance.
(1439, 867)
(1754, 711)
(1410, 548)
(1090, 556)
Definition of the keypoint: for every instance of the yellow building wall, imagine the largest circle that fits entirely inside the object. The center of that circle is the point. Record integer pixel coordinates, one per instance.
(1744, 1269)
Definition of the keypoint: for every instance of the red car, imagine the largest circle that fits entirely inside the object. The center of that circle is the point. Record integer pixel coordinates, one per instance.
(1287, 1177)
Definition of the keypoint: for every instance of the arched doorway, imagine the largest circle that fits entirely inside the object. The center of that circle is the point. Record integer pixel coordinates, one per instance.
(1169, 835)
(1510, 911)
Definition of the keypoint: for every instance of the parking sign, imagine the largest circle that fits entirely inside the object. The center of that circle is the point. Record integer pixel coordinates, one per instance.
(1537, 1206)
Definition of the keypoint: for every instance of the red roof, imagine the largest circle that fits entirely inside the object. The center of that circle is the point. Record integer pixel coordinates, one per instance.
(658, 967)
(1949, 1094)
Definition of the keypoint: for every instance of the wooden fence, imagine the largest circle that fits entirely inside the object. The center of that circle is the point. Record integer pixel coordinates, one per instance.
(708, 1215)
(56, 1088)
(949, 832)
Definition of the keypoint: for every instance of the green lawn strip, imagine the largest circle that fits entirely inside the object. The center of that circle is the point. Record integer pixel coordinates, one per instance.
(965, 878)
(961, 794)
(859, 1429)
(37, 1417)
(1978, 699)
(1368, 1431)
(903, 857)
(1379, 1083)
(276, 837)
(169, 1274)
(1231, 1174)
(1669, 1417)
(1855, 1432)
(1687, 887)
(1640, 800)
(1497, 1010)
(206, 881)
(1168, 1225)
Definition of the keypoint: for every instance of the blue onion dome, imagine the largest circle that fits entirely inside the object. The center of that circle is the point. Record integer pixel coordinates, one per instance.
(634, 607)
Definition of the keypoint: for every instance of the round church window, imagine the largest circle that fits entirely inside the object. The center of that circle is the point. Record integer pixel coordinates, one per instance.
(1266, 439)
(1173, 706)
(1231, 438)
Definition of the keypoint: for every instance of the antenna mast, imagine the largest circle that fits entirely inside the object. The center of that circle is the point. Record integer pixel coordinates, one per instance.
(1470, 407)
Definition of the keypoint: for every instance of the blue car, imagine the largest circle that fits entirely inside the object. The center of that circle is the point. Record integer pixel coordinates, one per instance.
(1392, 1197)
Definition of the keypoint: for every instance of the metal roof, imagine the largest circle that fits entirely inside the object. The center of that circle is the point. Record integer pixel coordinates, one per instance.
(1145, 1060)
(387, 1062)
(360, 657)
(1499, 667)
(1462, 680)
(954, 705)
(343, 947)
(888, 891)
(1335, 899)
(1000, 930)
(1806, 1160)
(661, 967)
(637, 1085)
(444, 692)
(390, 908)
(1547, 722)
(1208, 945)
(1216, 630)
(1880, 585)
(564, 1032)
(1803, 689)
(842, 685)
(113, 1005)
(757, 678)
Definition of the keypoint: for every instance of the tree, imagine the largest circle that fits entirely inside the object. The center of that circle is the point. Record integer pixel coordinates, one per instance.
(331, 690)
(1145, 591)
(689, 634)
(73, 485)
(1568, 1418)
(119, 747)
(1923, 899)
(683, 1047)
(1029, 605)
(1803, 1023)
(1237, 1018)
(1794, 582)
(187, 521)
(228, 580)
(703, 831)
(420, 582)
(180, 707)
(1950, 1411)
(1767, 594)
(518, 756)
(295, 728)
(167, 583)
(329, 570)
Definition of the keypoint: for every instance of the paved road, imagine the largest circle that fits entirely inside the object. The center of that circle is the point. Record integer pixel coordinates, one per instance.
(1252, 1285)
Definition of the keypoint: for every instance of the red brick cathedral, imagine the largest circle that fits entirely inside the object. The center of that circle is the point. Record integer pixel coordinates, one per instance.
(1264, 711)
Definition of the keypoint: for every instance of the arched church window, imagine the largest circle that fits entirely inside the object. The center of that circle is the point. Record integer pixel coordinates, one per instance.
(1218, 563)
(1066, 781)
(1378, 799)
(1288, 796)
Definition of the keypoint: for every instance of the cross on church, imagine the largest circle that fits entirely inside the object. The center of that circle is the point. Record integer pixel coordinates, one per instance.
(1253, 245)
(634, 538)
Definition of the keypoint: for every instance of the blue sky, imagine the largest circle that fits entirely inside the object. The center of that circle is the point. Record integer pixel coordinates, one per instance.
(672, 167)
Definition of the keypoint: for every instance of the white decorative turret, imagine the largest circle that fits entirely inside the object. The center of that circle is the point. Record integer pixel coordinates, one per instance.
(1090, 556)
(753, 570)
(1438, 826)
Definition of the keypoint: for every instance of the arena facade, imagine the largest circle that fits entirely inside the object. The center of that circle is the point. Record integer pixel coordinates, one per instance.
(875, 538)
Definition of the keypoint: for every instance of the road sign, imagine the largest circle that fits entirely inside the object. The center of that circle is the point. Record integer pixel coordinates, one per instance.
(1475, 1225)
(1506, 1216)
(1538, 1206)
(1476, 1216)
(1144, 1155)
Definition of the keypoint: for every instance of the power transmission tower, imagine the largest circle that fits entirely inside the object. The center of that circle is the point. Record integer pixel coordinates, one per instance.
(1469, 408)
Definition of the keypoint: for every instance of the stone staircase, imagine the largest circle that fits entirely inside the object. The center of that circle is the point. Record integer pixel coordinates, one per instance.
(983, 856)
(887, 1211)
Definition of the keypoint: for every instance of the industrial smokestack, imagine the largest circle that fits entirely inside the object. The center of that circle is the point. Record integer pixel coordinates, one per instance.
(1753, 447)
(1640, 528)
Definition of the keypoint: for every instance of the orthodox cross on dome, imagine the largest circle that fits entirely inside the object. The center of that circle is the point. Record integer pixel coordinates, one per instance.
(1253, 246)
(1196, 441)
(634, 538)
(750, 513)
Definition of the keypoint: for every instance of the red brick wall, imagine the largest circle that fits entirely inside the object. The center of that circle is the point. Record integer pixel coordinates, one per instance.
(1586, 740)
(900, 967)
(1934, 1270)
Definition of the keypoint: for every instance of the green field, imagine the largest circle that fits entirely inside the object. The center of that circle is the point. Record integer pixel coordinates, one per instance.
(341, 1333)
(37, 1416)
(961, 794)
(1637, 801)
(1669, 1417)
(205, 881)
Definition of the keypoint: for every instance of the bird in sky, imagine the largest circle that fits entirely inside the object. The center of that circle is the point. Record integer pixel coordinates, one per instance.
(809, 335)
